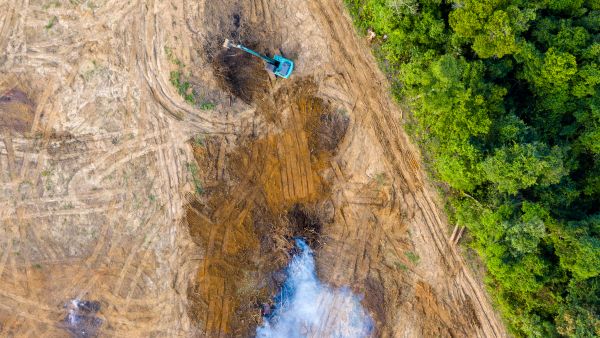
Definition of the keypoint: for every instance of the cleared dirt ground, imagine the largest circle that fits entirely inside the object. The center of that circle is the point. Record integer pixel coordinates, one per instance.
(166, 218)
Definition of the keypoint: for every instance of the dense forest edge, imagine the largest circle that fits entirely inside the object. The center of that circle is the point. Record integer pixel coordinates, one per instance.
(503, 97)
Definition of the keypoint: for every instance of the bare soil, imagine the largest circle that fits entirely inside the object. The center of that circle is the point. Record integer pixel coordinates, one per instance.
(169, 218)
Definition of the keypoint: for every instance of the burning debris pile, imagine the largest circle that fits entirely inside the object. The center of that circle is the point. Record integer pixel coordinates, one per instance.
(308, 308)
(81, 321)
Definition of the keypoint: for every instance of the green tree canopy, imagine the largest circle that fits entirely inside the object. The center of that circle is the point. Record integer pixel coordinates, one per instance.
(503, 96)
(524, 165)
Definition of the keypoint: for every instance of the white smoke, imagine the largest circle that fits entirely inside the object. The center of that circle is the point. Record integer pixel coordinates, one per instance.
(308, 308)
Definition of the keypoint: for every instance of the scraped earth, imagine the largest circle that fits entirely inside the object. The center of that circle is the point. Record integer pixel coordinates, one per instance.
(127, 210)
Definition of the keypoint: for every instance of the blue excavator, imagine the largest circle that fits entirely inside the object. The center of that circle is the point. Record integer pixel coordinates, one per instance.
(278, 65)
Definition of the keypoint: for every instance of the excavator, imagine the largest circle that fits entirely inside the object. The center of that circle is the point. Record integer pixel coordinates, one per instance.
(278, 65)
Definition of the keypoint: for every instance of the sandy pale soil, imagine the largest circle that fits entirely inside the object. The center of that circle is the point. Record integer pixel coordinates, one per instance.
(127, 211)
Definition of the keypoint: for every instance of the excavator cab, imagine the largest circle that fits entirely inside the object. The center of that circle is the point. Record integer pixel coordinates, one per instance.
(284, 67)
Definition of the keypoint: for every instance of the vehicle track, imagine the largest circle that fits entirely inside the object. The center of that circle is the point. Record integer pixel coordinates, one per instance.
(92, 196)
(70, 163)
(392, 139)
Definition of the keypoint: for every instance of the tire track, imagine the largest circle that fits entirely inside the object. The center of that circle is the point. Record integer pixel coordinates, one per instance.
(143, 282)
(73, 202)
(394, 142)
(161, 92)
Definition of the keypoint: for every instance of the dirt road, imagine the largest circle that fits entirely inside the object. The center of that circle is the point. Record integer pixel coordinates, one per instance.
(163, 216)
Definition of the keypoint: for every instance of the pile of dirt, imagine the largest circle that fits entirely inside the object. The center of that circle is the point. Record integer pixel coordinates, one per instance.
(242, 75)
